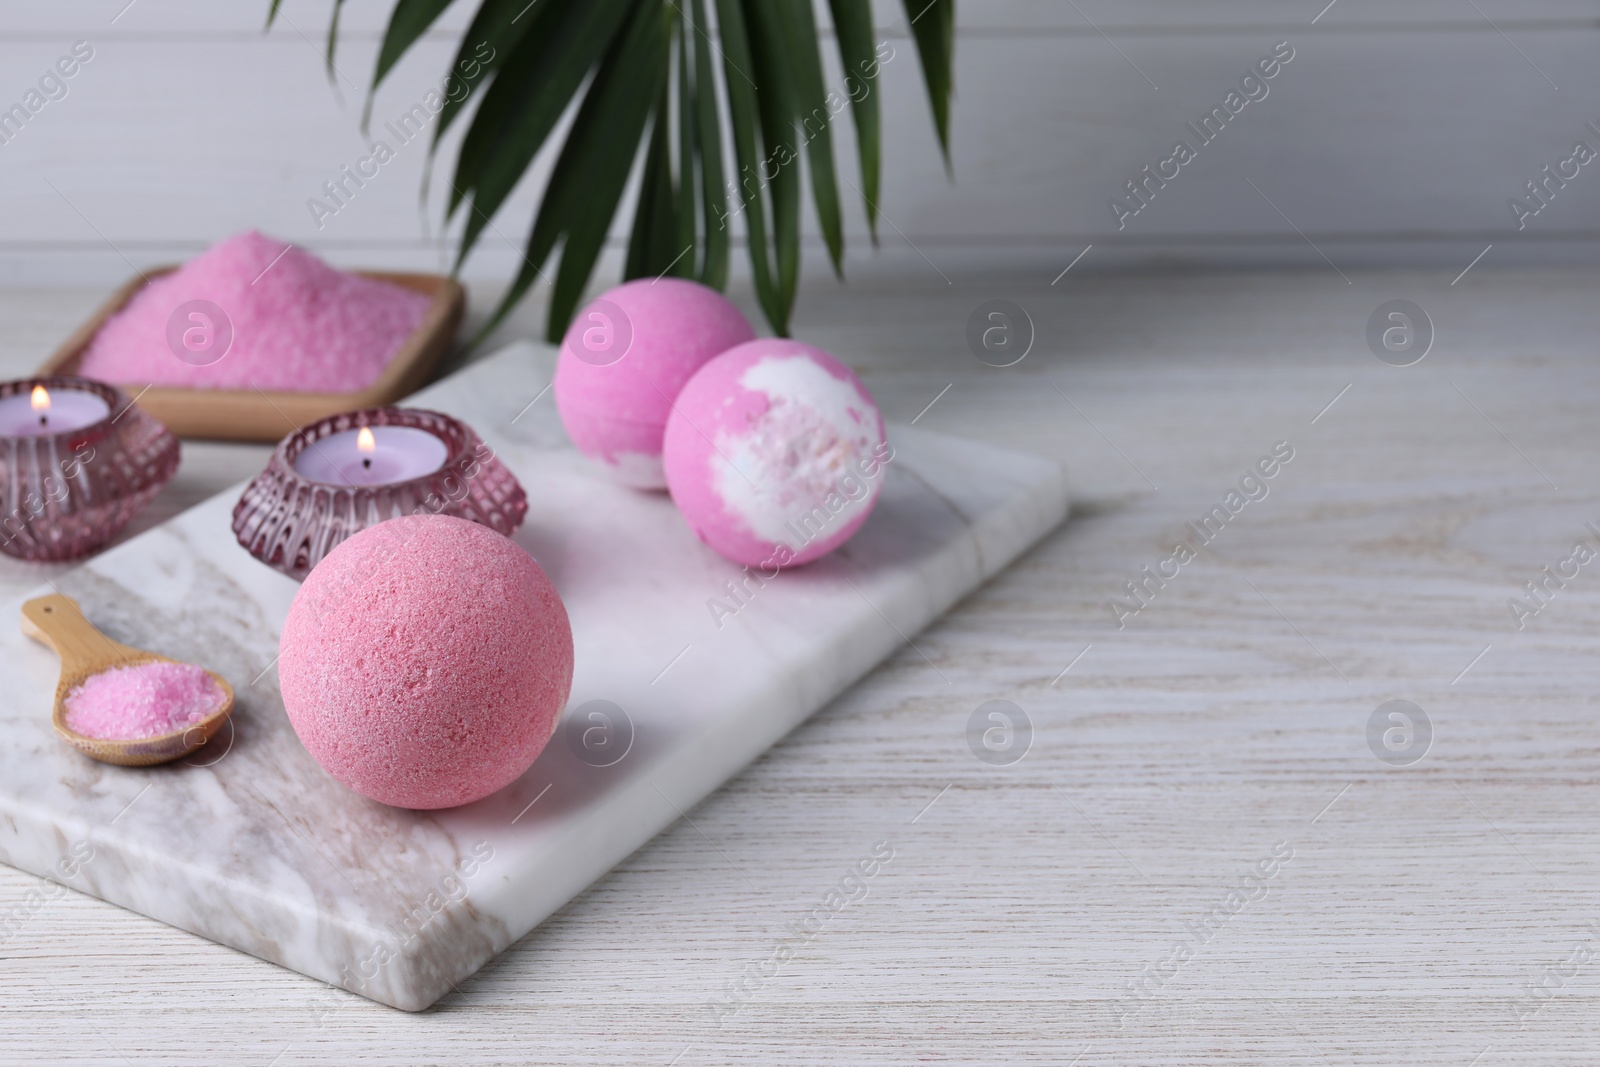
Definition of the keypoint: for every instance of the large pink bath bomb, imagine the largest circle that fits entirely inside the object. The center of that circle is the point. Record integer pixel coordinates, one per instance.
(624, 360)
(775, 453)
(425, 661)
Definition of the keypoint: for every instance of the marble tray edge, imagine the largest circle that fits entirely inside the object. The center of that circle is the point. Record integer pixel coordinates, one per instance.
(995, 542)
(1034, 505)
(243, 909)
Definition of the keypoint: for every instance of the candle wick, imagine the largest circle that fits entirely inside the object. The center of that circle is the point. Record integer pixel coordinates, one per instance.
(366, 464)
(44, 420)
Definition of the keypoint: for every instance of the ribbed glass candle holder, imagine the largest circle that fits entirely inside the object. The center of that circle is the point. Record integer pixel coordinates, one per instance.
(67, 495)
(290, 522)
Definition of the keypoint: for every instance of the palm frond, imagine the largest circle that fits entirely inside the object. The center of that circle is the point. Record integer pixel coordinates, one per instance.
(658, 87)
(333, 36)
(852, 25)
(498, 27)
(707, 150)
(813, 118)
(933, 27)
(777, 106)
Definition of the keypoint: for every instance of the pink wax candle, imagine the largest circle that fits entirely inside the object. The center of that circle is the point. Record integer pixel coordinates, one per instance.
(372, 455)
(39, 412)
(322, 486)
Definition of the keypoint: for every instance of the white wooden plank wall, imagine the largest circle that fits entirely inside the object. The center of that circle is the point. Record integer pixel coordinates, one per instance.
(1395, 135)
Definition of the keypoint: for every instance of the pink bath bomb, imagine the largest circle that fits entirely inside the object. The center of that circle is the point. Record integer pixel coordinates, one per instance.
(425, 661)
(775, 453)
(624, 360)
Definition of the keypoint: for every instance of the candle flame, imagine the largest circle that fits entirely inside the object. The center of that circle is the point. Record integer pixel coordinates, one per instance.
(40, 398)
(365, 442)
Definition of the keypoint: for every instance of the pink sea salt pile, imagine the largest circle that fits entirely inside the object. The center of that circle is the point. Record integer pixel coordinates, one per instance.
(297, 324)
(145, 700)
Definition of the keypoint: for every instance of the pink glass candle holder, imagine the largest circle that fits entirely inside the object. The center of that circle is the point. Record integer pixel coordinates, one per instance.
(334, 478)
(77, 462)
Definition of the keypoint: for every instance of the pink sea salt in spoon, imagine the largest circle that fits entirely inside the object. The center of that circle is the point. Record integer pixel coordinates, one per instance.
(143, 700)
(120, 704)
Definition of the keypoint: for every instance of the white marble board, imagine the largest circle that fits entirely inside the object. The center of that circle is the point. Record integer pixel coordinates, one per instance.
(252, 845)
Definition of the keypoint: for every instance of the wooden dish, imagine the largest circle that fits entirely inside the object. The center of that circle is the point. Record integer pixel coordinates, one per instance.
(255, 415)
(58, 622)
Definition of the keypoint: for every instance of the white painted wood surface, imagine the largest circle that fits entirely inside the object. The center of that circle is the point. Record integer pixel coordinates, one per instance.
(1227, 717)
(1396, 135)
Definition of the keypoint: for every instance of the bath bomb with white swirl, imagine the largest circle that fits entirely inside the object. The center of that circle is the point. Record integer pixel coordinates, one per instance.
(623, 361)
(775, 453)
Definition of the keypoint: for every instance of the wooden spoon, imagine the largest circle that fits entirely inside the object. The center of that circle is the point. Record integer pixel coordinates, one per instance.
(58, 622)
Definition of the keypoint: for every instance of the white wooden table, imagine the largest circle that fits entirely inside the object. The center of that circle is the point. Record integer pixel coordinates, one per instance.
(1032, 913)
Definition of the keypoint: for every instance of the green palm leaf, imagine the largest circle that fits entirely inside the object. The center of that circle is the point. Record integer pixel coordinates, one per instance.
(852, 25)
(333, 35)
(708, 148)
(686, 207)
(654, 247)
(410, 20)
(777, 105)
(527, 98)
(599, 154)
(743, 119)
(933, 27)
(657, 83)
(813, 118)
(586, 185)
(498, 26)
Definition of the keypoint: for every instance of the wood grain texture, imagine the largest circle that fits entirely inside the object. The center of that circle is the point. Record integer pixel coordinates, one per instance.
(1396, 136)
(361, 19)
(1228, 716)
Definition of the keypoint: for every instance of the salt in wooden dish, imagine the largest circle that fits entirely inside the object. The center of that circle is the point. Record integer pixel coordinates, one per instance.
(257, 415)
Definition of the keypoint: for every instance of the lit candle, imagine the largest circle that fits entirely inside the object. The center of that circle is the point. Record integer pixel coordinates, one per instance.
(373, 455)
(39, 412)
